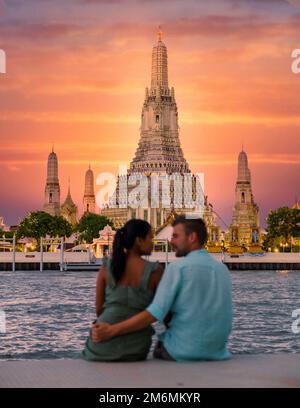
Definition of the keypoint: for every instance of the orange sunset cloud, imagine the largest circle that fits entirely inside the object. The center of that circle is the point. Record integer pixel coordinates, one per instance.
(76, 76)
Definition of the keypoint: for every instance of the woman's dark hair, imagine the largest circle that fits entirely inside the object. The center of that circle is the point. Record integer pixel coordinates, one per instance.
(124, 240)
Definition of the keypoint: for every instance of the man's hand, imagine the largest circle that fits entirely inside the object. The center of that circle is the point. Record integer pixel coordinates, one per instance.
(102, 331)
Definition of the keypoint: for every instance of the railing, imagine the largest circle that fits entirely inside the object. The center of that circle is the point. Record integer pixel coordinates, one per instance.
(13, 240)
(52, 242)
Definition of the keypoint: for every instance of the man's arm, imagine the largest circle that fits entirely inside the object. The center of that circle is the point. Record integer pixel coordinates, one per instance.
(167, 319)
(104, 331)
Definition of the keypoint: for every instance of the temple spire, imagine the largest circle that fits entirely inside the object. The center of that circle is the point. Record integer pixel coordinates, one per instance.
(245, 215)
(69, 209)
(159, 34)
(159, 147)
(243, 169)
(159, 72)
(52, 188)
(89, 194)
(296, 205)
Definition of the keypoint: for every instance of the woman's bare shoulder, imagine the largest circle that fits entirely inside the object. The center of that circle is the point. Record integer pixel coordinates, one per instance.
(155, 276)
(102, 274)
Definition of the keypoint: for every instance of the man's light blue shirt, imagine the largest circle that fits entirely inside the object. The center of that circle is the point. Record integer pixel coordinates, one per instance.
(197, 291)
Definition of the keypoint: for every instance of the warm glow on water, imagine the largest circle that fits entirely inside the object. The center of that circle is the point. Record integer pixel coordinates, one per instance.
(48, 314)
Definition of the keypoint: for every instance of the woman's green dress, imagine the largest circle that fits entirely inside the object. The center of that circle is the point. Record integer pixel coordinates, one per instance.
(121, 303)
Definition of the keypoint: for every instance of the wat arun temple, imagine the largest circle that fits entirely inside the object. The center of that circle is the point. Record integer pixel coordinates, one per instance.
(159, 158)
(159, 153)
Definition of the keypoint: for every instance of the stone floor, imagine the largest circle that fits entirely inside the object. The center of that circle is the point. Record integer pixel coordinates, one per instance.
(261, 370)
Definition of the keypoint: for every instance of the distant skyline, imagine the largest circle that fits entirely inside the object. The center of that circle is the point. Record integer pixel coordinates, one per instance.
(76, 77)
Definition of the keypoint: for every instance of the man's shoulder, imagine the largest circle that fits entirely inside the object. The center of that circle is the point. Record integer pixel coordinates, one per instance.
(178, 263)
(222, 270)
(216, 264)
(201, 259)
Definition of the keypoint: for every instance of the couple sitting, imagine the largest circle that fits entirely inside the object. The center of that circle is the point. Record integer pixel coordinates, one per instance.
(192, 297)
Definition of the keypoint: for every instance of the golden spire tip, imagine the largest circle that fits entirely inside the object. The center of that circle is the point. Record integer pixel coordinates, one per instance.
(159, 34)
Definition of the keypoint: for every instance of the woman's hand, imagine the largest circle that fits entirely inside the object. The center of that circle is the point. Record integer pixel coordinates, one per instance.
(102, 331)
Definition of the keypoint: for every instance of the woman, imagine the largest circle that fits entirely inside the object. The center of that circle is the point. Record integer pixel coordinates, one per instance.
(125, 286)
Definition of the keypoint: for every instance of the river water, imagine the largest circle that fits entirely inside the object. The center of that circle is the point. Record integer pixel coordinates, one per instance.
(48, 314)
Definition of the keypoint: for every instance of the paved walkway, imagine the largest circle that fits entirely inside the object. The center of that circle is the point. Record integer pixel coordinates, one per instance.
(262, 370)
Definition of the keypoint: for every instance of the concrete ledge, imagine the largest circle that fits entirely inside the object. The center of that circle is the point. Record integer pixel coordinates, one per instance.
(261, 370)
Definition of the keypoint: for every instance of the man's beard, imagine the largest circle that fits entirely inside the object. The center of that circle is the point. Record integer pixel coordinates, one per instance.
(181, 252)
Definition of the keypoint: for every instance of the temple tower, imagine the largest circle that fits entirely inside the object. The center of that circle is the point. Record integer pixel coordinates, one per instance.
(245, 212)
(89, 193)
(52, 189)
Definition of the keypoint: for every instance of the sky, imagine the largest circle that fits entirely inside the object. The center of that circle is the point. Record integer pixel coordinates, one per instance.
(76, 77)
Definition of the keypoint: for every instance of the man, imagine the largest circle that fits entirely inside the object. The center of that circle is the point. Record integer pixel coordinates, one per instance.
(196, 290)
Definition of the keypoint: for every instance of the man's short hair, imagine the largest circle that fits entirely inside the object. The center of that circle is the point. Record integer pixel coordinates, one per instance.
(196, 225)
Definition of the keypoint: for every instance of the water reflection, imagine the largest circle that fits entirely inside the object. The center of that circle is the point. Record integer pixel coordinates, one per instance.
(48, 314)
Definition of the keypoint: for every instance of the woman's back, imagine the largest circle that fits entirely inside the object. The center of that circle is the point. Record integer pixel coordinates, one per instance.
(127, 298)
(123, 301)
